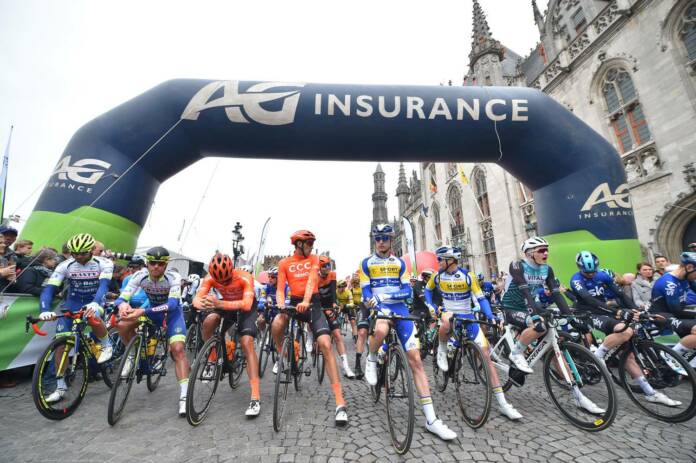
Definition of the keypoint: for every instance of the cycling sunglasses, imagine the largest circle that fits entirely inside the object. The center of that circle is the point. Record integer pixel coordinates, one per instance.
(379, 238)
(157, 263)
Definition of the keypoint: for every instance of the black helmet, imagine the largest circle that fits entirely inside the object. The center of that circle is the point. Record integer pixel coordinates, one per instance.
(157, 254)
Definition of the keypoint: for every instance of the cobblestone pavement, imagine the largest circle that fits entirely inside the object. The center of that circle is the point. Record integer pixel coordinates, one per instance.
(151, 431)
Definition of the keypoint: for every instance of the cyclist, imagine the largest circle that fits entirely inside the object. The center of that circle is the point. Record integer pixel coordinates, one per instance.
(327, 296)
(236, 288)
(385, 287)
(457, 286)
(419, 307)
(139, 299)
(362, 324)
(487, 288)
(192, 282)
(269, 290)
(590, 287)
(87, 282)
(669, 300)
(301, 272)
(344, 299)
(163, 290)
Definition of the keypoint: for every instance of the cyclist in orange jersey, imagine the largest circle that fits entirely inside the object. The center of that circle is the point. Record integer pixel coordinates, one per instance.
(327, 296)
(301, 272)
(236, 288)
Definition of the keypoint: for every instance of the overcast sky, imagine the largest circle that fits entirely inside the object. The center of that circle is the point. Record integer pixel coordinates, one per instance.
(66, 62)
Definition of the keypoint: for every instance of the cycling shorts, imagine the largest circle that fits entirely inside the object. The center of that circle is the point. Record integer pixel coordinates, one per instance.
(405, 329)
(314, 316)
(349, 312)
(604, 323)
(246, 321)
(516, 318)
(176, 326)
(473, 330)
(681, 327)
(363, 316)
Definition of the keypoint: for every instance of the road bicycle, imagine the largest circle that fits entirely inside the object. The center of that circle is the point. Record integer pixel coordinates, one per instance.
(426, 336)
(267, 348)
(194, 336)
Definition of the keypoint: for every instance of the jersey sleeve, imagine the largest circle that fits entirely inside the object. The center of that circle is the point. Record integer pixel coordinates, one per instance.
(203, 290)
(364, 275)
(131, 288)
(313, 280)
(248, 295)
(282, 281)
(480, 297)
(556, 293)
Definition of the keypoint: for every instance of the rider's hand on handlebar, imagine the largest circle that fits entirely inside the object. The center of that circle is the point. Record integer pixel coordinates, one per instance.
(302, 307)
(46, 316)
(124, 309)
(133, 314)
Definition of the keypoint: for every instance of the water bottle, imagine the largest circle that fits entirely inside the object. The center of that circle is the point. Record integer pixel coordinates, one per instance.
(151, 346)
(452, 345)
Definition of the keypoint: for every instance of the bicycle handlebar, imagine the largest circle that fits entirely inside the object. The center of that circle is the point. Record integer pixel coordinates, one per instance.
(33, 321)
(397, 317)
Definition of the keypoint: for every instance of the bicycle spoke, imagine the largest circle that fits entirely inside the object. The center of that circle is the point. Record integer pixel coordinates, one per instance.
(400, 398)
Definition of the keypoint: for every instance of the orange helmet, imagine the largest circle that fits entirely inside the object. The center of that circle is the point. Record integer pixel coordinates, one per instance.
(324, 261)
(302, 235)
(221, 267)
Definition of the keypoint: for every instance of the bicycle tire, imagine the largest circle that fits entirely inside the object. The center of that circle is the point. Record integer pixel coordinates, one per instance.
(298, 371)
(471, 368)
(157, 363)
(403, 371)
(376, 390)
(441, 377)
(44, 367)
(108, 368)
(582, 364)
(661, 377)
(236, 365)
(321, 366)
(282, 383)
(192, 344)
(116, 406)
(194, 415)
(264, 352)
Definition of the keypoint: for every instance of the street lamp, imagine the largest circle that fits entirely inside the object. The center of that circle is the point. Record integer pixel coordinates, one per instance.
(237, 238)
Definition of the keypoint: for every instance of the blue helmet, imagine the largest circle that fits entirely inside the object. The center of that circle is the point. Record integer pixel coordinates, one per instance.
(688, 258)
(587, 262)
(383, 229)
(608, 271)
(480, 277)
(448, 252)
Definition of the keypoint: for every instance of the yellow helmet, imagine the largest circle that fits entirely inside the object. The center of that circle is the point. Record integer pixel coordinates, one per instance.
(84, 242)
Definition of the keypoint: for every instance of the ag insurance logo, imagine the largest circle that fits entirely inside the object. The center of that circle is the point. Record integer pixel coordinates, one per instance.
(247, 106)
(80, 175)
(602, 202)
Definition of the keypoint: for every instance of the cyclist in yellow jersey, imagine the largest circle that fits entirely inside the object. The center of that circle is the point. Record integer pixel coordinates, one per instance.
(363, 323)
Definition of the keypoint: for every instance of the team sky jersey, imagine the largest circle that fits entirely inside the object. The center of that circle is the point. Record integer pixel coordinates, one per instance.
(85, 283)
(327, 289)
(301, 274)
(139, 299)
(457, 289)
(669, 293)
(522, 283)
(344, 297)
(237, 294)
(385, 277)
(592, 292)
(163, 293)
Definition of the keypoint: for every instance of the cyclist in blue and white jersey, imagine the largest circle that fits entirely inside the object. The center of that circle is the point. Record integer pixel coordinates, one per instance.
(163, 289)
(487, 288)
(669, 300)
(457, 287)
(385, 287)
(139, 299)
(87, 282)
(590, 287)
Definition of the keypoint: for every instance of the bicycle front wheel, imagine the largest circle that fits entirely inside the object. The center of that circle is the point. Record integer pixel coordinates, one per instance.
(282, 383)
(203, 381)
(108, 369)
(298, 372)
(264, 351)
(472, 382)
(668, 374)
(441, 377)
(193, 342)
(400, 398)
(320, 366)
(44, 386)
(580, 387)
(124, 379)
(157, 361)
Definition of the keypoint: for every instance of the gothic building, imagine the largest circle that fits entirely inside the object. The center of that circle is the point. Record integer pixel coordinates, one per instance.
(627, 68)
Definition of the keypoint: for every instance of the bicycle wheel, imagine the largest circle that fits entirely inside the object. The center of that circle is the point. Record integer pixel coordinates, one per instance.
(320, 366)
(282, 383)
(584, 379)
(193, 342)
(75, 375)
(441, 378)
(203, 380)
(236, 365)
(124, 382)
(264, 352)
(298, 372)
(108, 368)
(400, 399)
(157, 362)
(472, 382)
(668, 373)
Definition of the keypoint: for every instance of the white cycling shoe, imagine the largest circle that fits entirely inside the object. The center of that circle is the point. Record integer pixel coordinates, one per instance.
(106, 353)
(441, 430)
(442, 362)
(509, 411)
(371, 372)
(347, 372)
(275, 368)
(56, 396)
(587, 404)
(254, 408)
(520, 362)
(127, 367)
(182, 406)
(341, 416)
(660, 398)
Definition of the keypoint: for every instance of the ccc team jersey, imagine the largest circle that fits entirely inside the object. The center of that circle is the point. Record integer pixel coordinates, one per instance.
(301, 274)
(238, 294)
(327, 289)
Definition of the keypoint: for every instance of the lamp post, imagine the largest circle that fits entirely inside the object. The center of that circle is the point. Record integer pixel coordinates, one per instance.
(237, 238)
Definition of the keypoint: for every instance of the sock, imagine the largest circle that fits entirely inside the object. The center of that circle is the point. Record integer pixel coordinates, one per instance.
(428, 409)
(105, 341)
(372, 356)
(338, 394)
(442, 345)
(344, 358)
(183, 387)
(601, 351)
(645, 385)
(60, 383)
(577, 394)
(680, 349)
(519, 348)
(358, 356)
(255, 393)
(499, 396)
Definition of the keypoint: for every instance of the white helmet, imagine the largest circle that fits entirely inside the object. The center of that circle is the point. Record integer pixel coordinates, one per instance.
(246, 268)
(533, 243)
(194, 278)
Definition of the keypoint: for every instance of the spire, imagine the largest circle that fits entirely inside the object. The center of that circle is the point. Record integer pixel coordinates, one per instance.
(482, 42)
(538, 17)
(402, 191)
(379, 169)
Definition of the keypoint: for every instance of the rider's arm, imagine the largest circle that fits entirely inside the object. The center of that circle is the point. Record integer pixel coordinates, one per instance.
(428, 293)
(517, 275)
(203, 291)
(365, 281)
(312, 281)
(247, 298)
(585, 297)
(332, 291)
(556, 293)
(173, 299)
(282, 285)
(131, 288)
(405, 291)
(53, 283)
(480, 297)
(107, 273)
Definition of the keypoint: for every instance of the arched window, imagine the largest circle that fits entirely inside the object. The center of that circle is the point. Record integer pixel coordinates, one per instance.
(421, 230)
(481, 192)
(451, 169)
(486, 223)
(687, 33)
(624, 110)
(436, 222)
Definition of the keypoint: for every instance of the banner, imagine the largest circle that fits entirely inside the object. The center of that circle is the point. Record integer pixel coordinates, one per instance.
(258, 264)
(410, 245)
(3, 175)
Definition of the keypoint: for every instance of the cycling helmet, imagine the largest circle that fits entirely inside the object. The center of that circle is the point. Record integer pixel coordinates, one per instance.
(324, 261)
(533, 243)
(448, 252)
(342, 283)
(427, 273)
(221, 267)
(157, 254)
(688, 258)
(194, 278)
(383, 229)
(480, 277)
(246, 268)
(137, 260)
(302, 235)
(587, 262)
(608, 271)
(273, 271)
(84, 242)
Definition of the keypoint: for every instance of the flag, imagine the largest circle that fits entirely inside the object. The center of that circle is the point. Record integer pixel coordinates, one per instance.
(258, 264)
(462, 176)
(410, 244)
(3, 175)
(424, 210)
(433, 185)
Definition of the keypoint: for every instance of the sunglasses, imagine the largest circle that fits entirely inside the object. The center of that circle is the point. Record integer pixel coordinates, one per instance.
(157, 263)
(542, 250)
(442, 259)
(309, 242)
(81, 254)
(380, 238)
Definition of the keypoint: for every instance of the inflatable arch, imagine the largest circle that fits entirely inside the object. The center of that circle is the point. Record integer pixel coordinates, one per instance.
(578, 180)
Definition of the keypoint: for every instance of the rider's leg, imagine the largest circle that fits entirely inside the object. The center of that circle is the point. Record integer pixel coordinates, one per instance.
(686, 329)
(176, 332)
(211, 321)
(252, 365)
(280, 322)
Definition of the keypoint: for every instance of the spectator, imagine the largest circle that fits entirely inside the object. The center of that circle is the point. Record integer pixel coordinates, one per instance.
(120, 272)
(8, 273)
(98, 249)
(9, 236)
(65, 253)
(22, 249)
(661, 264)
(625, 282)
(32, 278)
(641, 288)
